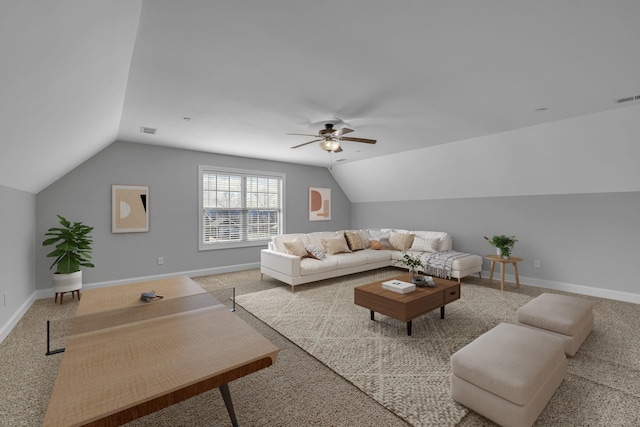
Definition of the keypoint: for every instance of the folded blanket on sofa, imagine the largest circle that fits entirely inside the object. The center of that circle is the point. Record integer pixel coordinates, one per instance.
(439, 263)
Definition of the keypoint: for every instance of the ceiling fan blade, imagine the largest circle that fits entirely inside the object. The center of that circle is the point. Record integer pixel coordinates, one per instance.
(301, 145)
(340, 132)
(303, 134)
(365, 140)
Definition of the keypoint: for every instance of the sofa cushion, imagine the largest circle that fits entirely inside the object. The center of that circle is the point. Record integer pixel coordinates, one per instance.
(335, 245)
(354, 240)
(425, 244)
(310, 266)
(295, 247)
(376, 256)
(401, 241)
(315, 252)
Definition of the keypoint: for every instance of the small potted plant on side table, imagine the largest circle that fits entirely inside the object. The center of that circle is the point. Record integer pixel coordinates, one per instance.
(503, 243)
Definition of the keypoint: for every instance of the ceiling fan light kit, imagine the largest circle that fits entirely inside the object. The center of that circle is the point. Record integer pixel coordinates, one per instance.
(330, 145)
(330, 138)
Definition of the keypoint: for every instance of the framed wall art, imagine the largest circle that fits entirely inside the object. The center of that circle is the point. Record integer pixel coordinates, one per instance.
(319, 204)
(129, 208)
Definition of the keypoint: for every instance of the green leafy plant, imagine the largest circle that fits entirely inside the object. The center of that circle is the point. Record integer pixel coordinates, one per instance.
(73, 246)
(412, 262)
(502, 242)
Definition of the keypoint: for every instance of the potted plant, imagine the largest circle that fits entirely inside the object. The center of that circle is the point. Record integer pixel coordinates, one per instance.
(412, 262)
(503, 243)
(72, 251)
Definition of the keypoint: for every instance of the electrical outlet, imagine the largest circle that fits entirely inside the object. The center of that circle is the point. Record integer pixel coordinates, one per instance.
(160, 260)
(536, 263)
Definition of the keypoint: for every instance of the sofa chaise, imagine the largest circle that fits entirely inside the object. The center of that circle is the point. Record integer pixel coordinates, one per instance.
(301, 258)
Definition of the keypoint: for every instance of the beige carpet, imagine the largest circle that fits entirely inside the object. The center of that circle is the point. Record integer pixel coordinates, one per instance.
(601, 389)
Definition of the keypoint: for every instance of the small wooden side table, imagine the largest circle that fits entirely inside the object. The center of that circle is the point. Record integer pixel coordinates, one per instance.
(514, 260)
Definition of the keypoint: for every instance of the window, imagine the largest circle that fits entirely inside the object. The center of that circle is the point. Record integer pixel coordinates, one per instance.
(238, 207)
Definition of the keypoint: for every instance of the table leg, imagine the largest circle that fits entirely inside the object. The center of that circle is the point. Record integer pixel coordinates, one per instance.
(493, 263)
(502, 276)
(442, 312)
(226, 396)
(409, 328)
(515, 268)
(372, 313)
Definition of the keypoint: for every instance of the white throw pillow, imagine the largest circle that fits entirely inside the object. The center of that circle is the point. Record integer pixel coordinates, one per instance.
(378, 234)
(425, 244)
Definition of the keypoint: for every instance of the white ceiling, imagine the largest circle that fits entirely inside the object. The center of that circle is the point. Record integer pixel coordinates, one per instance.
(410, 73)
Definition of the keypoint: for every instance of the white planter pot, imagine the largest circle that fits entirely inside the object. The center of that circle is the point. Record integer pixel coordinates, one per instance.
(498, 251)
(67, 282)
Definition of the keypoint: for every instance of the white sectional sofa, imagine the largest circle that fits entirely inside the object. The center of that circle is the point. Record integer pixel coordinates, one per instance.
(290, 257)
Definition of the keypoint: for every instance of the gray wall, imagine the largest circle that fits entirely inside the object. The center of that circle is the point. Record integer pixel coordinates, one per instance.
(17, 253)
(588, 240)
(84, 195)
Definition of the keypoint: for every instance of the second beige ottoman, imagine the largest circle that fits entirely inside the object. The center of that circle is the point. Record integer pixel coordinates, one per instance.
(567, 317)
(508, 374)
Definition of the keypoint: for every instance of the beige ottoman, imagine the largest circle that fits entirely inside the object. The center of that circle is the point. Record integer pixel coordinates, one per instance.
(508, 374)
(569, 318)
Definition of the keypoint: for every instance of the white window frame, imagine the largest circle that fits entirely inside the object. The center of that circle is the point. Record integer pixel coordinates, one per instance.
(203, 170)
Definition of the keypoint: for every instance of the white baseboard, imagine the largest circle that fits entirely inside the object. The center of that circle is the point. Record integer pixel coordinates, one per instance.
(13, 320)
(570, 287)
(48, 293)
(6, 328)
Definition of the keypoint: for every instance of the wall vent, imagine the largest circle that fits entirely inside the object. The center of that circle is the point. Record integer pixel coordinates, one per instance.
(150, 131)
(627, 99)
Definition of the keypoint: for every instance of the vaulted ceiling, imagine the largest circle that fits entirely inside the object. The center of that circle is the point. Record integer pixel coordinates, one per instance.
(234, 77)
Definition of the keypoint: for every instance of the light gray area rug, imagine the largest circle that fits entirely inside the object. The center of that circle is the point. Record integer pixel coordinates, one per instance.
(407, 374)
(410, 375)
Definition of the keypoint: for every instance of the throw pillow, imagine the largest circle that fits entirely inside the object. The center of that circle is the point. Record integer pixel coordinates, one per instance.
(335, 245)
(378, 234)
(425, 244)
(354, 240)
(380, 244)
(295, 247)
(315, 252)
(401, 241)
(374, 244)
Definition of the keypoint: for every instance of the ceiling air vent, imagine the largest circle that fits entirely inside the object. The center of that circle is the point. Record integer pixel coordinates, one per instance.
(150, 131)
(627, 99)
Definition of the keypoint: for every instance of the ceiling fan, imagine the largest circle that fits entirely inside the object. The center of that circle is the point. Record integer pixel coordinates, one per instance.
(330, 138)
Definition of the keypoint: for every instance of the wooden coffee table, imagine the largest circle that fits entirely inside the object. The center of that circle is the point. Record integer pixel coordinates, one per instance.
(406, 307)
